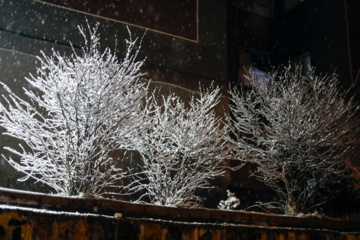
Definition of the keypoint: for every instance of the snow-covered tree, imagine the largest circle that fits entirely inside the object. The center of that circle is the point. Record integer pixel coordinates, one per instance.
(182, 148)
(77, 110)
(299, 132)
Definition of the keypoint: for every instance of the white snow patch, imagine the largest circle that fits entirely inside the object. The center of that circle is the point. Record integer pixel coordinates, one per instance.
(52, 212)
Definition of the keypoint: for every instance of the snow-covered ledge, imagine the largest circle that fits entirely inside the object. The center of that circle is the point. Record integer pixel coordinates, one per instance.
(39, 202)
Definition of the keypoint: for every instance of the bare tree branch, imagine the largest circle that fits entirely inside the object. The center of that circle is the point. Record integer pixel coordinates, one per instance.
(299, 132)
(182, 147)
(84, 107)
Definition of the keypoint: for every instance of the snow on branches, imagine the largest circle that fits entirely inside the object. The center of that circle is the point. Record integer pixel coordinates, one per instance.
(182, 148)
(232, 202)
(299, 133)
(82, 108)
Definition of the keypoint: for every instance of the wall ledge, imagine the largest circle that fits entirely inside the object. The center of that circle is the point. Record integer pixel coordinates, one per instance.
(101, 207)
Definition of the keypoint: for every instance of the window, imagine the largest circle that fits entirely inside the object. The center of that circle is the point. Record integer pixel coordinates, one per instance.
(305, 60)
(261, 77)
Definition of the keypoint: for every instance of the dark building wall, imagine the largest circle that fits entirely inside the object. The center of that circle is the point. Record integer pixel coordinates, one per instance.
(256, 35)
(317, 27)
(205, 58)
(353, 18)
(324, 30)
